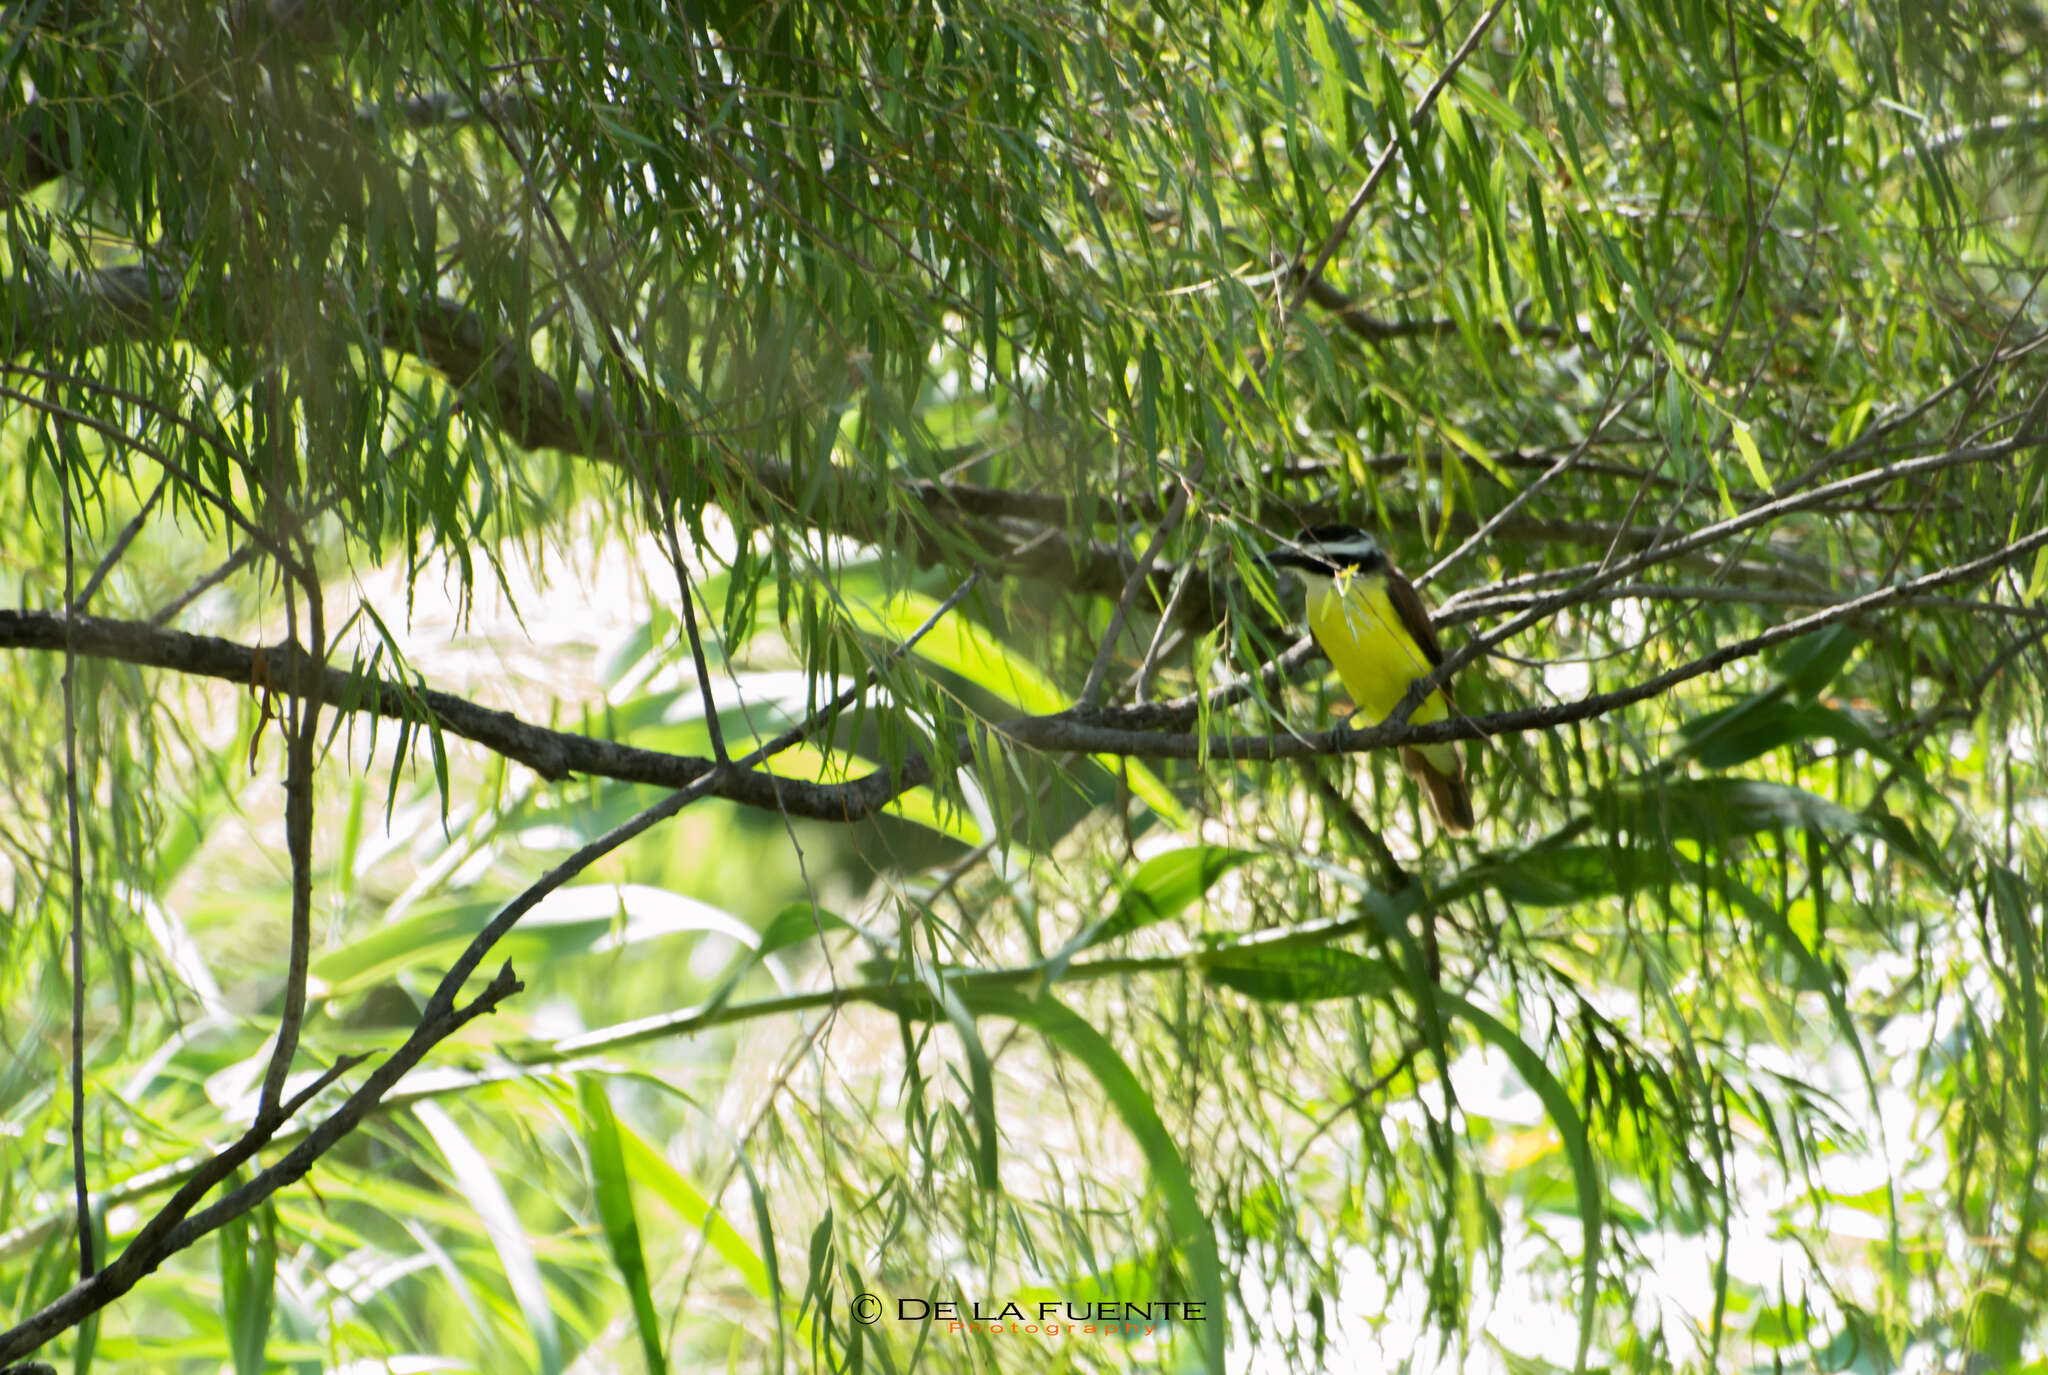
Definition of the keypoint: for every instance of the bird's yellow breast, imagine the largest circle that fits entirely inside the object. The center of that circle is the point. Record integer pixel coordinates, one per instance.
(1356, 624)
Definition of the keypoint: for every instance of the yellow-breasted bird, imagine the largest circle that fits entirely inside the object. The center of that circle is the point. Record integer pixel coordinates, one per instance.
(1371, 622)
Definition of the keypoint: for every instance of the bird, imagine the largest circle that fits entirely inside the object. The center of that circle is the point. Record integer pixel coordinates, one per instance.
(1372, 624)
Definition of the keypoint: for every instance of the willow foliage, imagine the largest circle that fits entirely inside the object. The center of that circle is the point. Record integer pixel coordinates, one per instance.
(467, 435)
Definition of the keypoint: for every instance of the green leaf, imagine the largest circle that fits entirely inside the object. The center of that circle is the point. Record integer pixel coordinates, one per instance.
(248, 1285)
(1303, 975)
(586, 918)
(1902, 836)
(1561, 876)
(1811, 662)
(1150, 377)
(651, 1169)
(614, 1190)
(818, 1271)
(2012, 902)
(1724, 739)
(1164, 886)
(2037, 584)
(1167, 885)
(1747, 444)
(981, 1080)
(764, 1223)
(1714, 809)
(793, 925)
(1546, 269)
(1815, 974)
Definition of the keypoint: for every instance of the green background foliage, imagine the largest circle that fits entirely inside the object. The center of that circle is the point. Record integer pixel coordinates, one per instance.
(957, 360)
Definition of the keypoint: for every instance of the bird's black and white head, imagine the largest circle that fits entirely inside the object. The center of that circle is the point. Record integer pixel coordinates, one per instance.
(1328, 551)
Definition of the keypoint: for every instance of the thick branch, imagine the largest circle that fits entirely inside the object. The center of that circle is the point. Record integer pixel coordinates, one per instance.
(1156, 731)
(1019, 534)
(551, 754)
(1067, 732)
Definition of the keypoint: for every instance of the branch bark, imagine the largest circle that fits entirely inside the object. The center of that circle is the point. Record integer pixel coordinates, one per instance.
(1150, 731)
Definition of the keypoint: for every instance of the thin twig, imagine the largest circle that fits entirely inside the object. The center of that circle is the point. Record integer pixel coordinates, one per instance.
(675, 555)
(1542, 479)
(1301, 273)
(81, 1196)
(1357, 1099)
(301, 754)
(113, 555)
(1338, 808)
(1141, 568)
(1760, 514)
(1741, 595)
(220, 574)
(1163, 642)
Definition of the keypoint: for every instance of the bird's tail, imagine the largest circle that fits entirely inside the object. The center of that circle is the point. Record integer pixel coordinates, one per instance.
(1443, 782)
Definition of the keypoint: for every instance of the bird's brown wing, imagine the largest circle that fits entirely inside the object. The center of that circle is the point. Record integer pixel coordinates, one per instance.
(1414, 616)
(1450, 801)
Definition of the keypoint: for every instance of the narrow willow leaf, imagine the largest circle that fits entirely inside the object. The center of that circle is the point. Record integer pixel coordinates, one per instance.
(1167, 885)
(1724, 739)
(2037, 584)
(584, 919)
(793, 925)
(1566, 875)
(1812, 662)
(818, 1270)
(613, 1188)
(248, 1285)
(2019, 931)
(1303, 975)
(1477, 452)
(1716, 809)
(981, 1081)
(1164, 886)
(1150, 380)
(1548, 268)
(649, 1167)
(1815, 974)
(1747, 444)
(764, 1223)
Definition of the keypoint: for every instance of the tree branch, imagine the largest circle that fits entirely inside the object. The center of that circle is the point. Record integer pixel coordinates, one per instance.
(171, 1229)
(1151, 731)
(174, 1227)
